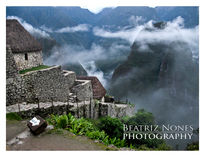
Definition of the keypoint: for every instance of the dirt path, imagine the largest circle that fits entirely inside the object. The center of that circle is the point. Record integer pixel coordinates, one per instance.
(14, 128)
(50, 140)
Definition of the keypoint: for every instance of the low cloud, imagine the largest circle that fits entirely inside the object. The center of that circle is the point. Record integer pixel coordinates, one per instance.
(75, 53)
(71, 54)
(78, 28)
(92, 70)
(128, 35)
(34, 31)
(44, 31)
(147, 33)
(136, 20)
(50, 30)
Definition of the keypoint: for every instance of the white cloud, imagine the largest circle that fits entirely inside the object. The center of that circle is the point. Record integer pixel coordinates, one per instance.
(135, 20)
(34, 31)
(75, 53)
(50, 30)
(96, 8)
(71, 54)
(128, 35)
(174, 31)
(92, 70)
(78, 28)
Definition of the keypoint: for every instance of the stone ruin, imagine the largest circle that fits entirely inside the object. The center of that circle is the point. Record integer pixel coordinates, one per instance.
(51, 90)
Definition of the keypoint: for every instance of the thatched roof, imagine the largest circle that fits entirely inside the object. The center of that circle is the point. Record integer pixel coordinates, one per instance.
(98, 89)
(19, 39)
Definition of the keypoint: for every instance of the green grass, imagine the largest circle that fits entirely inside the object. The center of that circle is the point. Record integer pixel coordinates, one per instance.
(34, 69)
(13, 116)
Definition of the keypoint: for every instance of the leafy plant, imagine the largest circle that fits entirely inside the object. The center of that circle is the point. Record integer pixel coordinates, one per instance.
(99, 135)
(112, 126)
(62, 121)
(143, 117)
(163, 146)
(193, 146)
(52, 120)
(108, 130)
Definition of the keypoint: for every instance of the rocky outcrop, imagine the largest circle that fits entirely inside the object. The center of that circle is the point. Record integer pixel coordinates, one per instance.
(161, 78)
(162, 65)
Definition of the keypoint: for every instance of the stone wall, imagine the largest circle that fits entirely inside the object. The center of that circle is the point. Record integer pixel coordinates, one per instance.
(83, 89)
(14, 89)
(46, 84)
(34, 59)
(11, 68)
(86, 109)
(44, 109)
(54, 85)
(113, 110)
(70, 77)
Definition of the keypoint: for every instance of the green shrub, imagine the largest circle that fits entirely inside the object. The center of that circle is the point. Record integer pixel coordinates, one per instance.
(13, 116)
(62, 121)
(193, 146)
(163, 146)
(112, 126)
(80, 126)
(52, 120)
(143, 117)
(84, 127)
(119, 143)
(109, 130)
(143, 147)
(99, 135)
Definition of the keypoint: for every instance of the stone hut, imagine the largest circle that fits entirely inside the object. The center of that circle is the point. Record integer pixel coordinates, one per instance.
(26, 50)
(98, 89)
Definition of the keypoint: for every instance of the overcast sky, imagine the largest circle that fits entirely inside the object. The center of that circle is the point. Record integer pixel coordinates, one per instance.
(94, 9)
(97, 9)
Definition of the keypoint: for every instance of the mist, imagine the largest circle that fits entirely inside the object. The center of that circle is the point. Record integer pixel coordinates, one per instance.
(44, 32)
(87, 58)
(34, 31)
(78, 28)
(161, 73)
(147, 33)
(171, 103)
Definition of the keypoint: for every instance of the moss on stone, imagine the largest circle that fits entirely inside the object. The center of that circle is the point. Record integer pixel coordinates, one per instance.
(34, 69)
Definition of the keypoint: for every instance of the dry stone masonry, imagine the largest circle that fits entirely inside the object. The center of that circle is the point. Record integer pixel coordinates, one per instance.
(15, 90)
(55, 91)
(46, 84)
(28, 60)
(51, 90)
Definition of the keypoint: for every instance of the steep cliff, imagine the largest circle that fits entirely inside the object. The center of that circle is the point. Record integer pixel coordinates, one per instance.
(160, 76)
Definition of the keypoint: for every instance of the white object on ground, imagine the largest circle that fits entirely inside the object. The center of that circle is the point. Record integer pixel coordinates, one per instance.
(35, 121)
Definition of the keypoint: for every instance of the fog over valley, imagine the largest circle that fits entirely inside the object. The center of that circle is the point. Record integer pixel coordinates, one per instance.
(149, 56)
